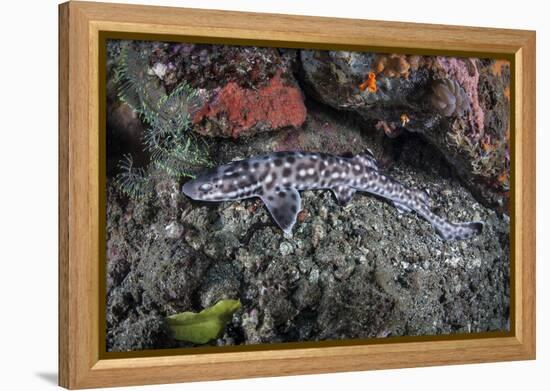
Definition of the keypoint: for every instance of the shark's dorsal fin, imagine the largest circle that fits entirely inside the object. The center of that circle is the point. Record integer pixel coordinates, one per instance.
(367, 158)
(422, 195)
(283, 204)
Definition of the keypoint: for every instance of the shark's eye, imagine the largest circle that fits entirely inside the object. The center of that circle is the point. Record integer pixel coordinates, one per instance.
(205, 187)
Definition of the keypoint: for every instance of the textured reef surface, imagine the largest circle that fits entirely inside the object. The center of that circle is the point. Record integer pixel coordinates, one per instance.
(359, 271)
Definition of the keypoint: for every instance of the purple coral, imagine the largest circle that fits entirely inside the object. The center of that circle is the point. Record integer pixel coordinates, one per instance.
(465, 72)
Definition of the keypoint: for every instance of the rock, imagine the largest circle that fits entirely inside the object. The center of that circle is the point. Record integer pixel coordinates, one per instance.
(334, 78)
(474, 137)
(249, 325)
(279, 310)
(149, 274)
(320, 133)
(245, 90)
(307, 295)
(357, 308)
(173, 230)
(220, 282)
(139, 334)
(170, 275)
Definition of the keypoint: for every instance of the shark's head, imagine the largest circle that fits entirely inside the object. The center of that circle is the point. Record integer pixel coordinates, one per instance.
(225, 183)
(205, 187)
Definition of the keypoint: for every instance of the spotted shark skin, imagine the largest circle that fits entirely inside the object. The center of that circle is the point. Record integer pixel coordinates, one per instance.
(278, 177)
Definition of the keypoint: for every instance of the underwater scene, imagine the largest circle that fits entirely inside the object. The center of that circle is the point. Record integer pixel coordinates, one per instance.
(261, 195)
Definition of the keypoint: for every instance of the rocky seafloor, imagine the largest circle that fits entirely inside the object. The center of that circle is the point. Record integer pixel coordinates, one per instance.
(363, 270)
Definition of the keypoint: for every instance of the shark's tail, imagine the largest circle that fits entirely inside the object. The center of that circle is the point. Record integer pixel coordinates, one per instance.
(451, 231)
(407, 200)
(459, 231)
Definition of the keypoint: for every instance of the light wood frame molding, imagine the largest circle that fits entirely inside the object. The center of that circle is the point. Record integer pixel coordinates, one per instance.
(80, 25)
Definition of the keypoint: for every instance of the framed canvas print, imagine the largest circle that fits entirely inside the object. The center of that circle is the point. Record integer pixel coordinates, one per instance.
(249, 195)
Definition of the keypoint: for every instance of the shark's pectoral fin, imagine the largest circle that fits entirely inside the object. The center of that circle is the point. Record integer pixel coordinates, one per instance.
(401, 208)
(343, 194)
(283, 205)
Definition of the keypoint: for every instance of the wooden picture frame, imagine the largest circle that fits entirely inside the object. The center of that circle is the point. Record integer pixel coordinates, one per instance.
(81, 25)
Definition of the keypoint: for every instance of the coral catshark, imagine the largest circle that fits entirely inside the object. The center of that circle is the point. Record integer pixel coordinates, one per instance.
(277, 177)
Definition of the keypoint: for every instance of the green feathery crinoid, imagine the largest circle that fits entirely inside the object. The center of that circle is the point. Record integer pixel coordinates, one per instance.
(173, 148)
(135, 182)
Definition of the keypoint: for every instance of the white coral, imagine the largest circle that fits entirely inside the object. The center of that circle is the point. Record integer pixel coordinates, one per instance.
(159, 69)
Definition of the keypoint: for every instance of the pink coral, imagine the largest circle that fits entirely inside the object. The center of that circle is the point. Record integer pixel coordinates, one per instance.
(465, 72)
(274, 106)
